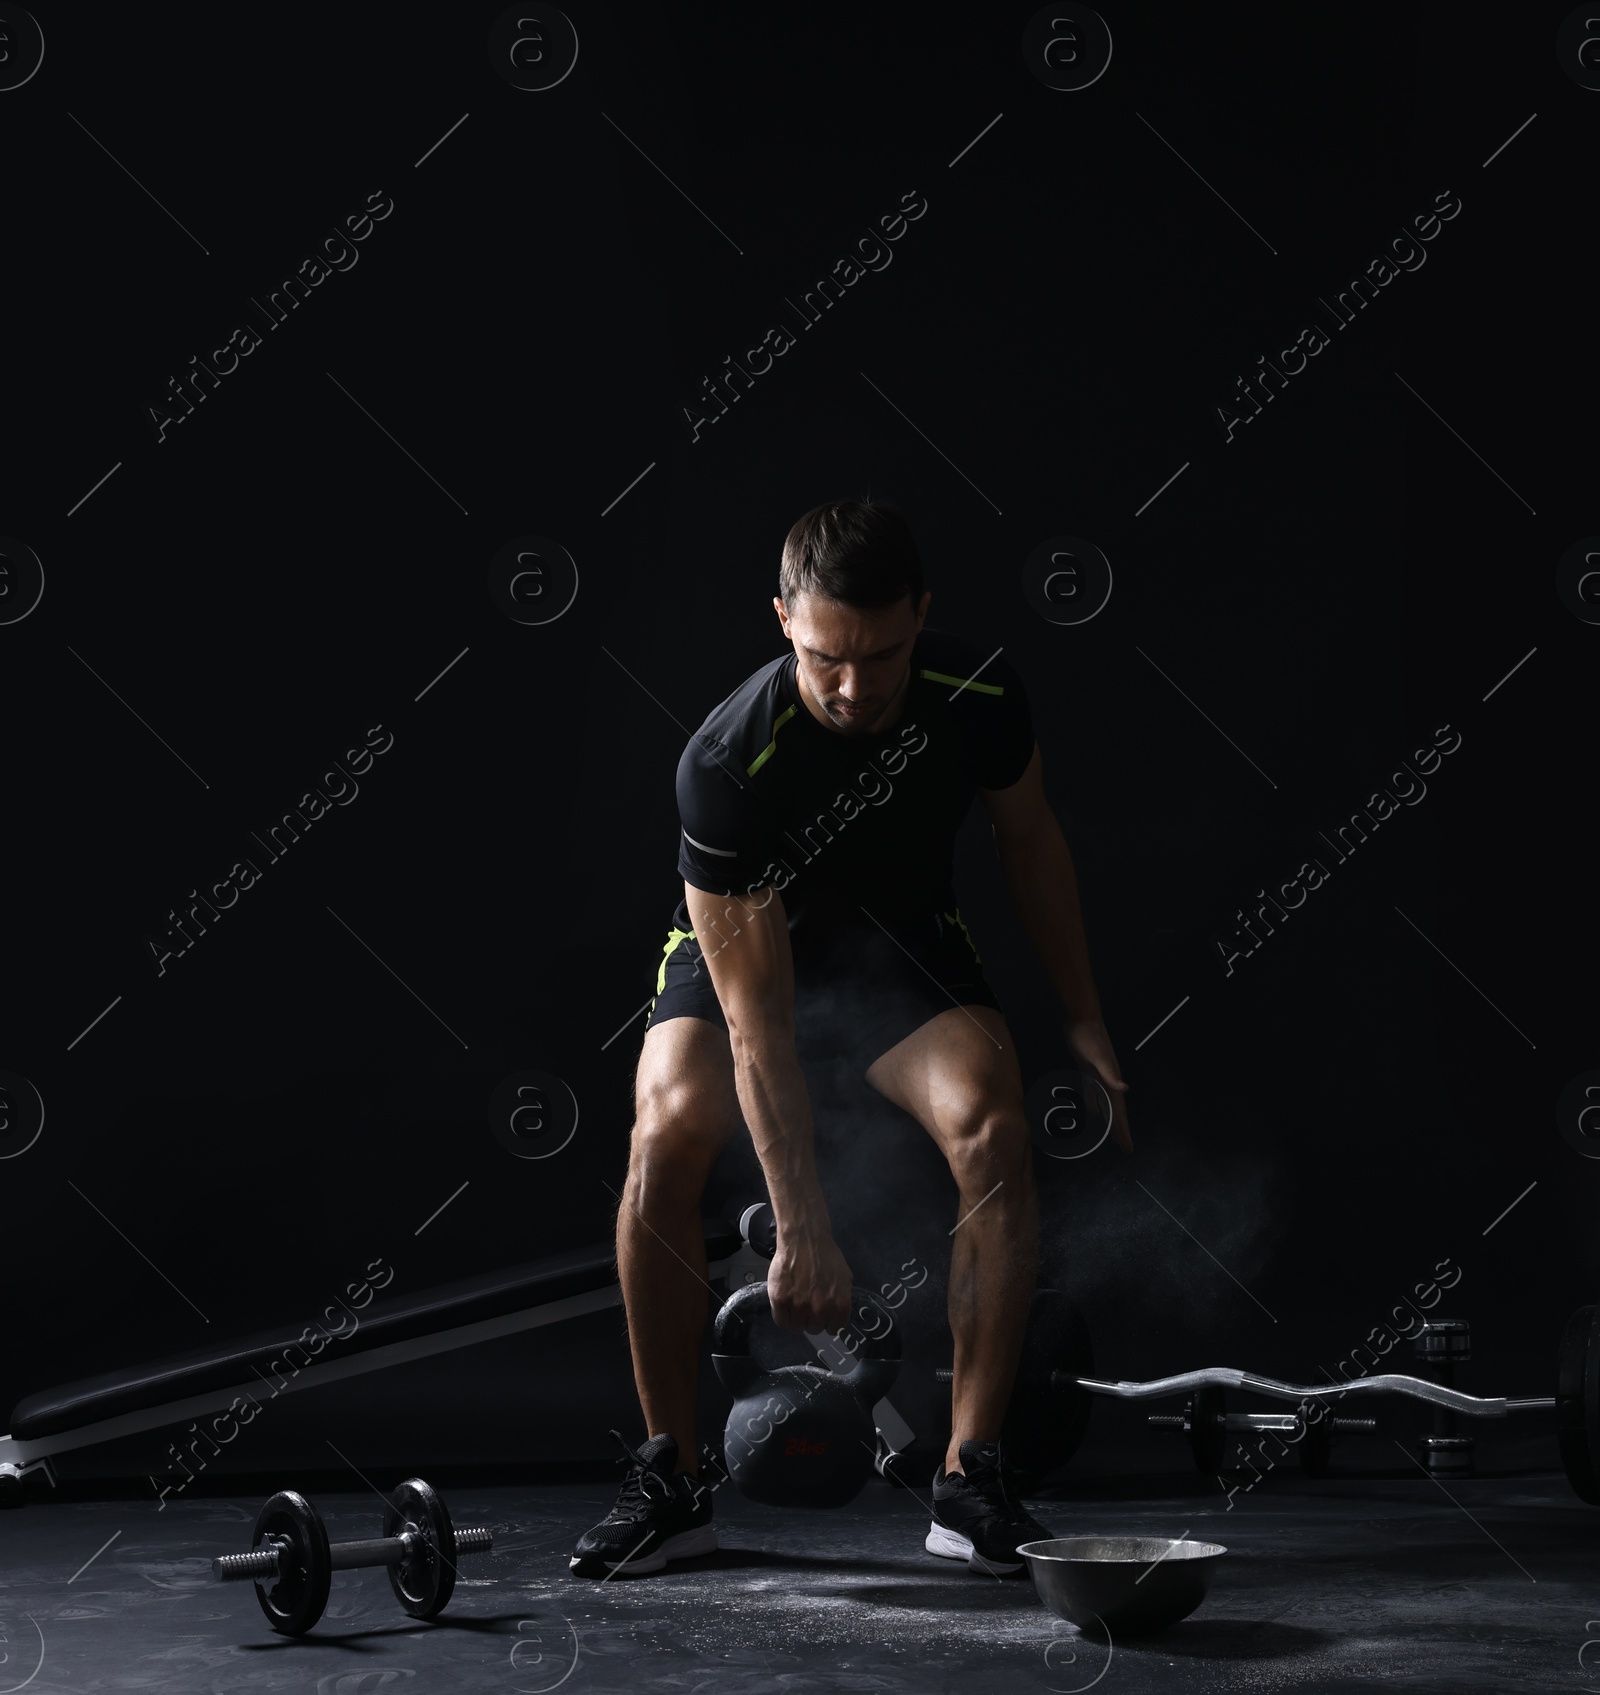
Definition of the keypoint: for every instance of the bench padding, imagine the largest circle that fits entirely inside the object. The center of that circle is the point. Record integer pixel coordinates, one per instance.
(400, 1318)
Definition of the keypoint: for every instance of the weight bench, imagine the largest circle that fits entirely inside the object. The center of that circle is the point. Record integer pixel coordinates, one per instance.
(396, 1331)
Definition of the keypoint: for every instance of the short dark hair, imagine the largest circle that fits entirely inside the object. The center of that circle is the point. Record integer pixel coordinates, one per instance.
(860, 552)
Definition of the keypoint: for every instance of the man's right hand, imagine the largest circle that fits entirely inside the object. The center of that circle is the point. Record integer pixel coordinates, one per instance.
(745, 943)
(808, 1283)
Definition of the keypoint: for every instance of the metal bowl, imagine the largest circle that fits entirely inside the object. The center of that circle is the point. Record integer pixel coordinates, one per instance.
(1129, 1584)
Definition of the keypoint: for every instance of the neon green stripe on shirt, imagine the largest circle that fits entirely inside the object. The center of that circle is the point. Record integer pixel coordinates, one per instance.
(772, 746)
(962, 682)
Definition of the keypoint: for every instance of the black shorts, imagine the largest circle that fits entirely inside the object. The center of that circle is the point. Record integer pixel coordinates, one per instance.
(858, 991)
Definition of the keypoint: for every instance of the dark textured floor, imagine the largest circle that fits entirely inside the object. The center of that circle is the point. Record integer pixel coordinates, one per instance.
(1333, 1585)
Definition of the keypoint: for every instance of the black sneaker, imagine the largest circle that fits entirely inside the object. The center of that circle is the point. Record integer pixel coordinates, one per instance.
(658, 1517)
(976, 1516)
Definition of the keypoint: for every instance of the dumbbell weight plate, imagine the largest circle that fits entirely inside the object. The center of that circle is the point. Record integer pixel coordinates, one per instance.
(294, 1602)
(1578, 1402)
(1044, 1425)
(423, 1583)
(1208, 1436)
(1316, 1444)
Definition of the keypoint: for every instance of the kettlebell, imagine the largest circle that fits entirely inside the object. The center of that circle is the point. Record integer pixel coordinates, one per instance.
(803, 1435)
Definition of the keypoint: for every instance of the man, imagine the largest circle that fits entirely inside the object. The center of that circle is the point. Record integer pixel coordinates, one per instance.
(819, 808)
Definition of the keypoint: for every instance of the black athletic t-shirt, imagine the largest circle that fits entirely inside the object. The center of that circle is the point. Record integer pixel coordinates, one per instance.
(839, 823)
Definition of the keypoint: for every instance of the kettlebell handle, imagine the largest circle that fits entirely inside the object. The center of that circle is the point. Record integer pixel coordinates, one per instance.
(877, 1351)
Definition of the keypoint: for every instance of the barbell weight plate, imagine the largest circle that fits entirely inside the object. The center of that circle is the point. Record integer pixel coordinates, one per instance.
(294, 1601)
(423, 1583)
(1044, 1425)
(1208, 1436)
(1578, 1403)
(1591, 1398)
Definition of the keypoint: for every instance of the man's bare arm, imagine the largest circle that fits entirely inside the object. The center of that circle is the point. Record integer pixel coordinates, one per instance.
(1044, 888)
(745, 943)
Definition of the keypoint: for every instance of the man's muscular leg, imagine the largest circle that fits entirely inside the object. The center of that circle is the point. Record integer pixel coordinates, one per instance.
(685, 1109)
(958, 1077)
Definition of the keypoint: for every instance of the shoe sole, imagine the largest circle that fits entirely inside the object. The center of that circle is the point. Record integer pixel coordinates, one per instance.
(685, 1545)
(950, 1544)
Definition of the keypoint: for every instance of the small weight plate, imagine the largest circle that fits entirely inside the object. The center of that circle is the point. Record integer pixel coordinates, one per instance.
(1316, 1445)
(423, 1583)
(759, 1227)
(1044, 1425)
(1208, 1437)
(294, 1602)
(1578, 1403)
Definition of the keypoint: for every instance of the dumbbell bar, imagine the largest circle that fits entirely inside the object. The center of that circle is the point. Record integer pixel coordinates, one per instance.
(346, 1556)
(1284, 1422)
(1206, 1421)
(292, 1561)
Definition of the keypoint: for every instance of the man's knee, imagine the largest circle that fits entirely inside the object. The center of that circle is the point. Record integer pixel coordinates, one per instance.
(673, 1145)
(989, 1145)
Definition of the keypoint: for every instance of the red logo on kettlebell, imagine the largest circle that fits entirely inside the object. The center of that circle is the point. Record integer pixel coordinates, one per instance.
(801, 1445)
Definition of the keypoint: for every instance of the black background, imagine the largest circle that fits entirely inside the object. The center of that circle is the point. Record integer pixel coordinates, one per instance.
(1330, 588)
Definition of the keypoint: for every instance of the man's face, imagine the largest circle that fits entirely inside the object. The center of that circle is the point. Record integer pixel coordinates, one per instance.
(853, 661)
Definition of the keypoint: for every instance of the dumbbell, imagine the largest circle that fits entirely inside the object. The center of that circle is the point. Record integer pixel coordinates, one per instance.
(1440, 1346)
(1206, 1421)
(292, 1561)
